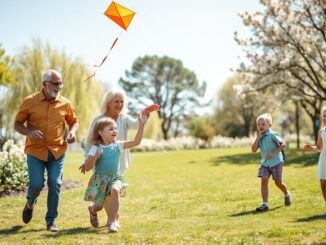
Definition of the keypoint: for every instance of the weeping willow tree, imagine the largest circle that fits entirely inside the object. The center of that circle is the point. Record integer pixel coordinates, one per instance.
(31, 61)
(7, 77)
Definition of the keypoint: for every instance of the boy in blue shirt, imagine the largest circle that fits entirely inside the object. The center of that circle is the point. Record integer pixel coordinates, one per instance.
(270, 145)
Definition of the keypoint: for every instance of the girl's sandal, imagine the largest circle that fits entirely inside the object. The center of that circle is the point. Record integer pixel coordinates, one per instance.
(92, 217)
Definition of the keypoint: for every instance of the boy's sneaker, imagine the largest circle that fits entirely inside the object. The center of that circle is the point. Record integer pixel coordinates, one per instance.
(262, 208)
(113, 228)
(92, 217)
(287, 199)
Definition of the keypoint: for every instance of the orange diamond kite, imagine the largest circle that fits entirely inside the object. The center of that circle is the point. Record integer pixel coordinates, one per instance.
(119, 14)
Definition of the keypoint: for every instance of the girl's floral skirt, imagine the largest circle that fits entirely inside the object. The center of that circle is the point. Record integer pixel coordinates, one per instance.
(99, 187)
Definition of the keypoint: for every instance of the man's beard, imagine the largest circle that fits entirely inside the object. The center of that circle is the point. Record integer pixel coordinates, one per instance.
(54, 93)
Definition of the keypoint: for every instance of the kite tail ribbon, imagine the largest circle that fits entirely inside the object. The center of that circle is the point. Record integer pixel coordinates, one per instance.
(104, 59)
(94, 73)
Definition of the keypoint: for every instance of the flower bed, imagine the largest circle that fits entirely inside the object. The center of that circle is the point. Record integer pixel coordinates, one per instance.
(13, 167)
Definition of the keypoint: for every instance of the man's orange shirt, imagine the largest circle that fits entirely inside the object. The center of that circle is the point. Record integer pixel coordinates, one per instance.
(49, 117)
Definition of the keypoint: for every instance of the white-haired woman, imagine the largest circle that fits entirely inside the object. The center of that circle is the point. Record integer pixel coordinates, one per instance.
(113, 106)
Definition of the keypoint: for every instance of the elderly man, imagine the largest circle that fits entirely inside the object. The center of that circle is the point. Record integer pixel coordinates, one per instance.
(42, 118)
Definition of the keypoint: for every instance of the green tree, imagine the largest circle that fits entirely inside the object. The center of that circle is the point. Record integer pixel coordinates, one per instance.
(235, 114)
(32, 60)
(165, 81)
(201, 128)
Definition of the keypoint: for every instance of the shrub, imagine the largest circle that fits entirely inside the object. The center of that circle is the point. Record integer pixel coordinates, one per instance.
(13, 167)
(188, 142)
(200, 128)
(218, 141)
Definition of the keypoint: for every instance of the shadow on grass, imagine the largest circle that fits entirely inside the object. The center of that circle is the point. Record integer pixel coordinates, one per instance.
(11, 230)
(61, 232)
(74, 231)
(252, 212)
(193, 162)
(293, 157)
(312, 218)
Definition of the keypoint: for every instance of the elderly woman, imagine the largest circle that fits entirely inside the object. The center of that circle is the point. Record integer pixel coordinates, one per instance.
(113, 106)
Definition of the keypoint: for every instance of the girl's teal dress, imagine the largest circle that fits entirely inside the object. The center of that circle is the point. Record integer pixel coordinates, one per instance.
(106, 174)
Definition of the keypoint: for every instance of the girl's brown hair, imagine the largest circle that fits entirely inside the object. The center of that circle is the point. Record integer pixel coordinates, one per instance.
(100, 125)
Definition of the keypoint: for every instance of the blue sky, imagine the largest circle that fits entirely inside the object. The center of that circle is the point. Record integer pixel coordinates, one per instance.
(199, 33)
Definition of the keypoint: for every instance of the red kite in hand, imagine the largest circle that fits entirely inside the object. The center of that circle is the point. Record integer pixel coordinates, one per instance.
(152, 108)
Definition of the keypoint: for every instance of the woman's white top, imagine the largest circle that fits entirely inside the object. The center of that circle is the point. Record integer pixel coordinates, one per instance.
(124, 122)
(321, 170)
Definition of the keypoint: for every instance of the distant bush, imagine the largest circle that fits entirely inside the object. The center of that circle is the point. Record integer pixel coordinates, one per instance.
(188, 142)
(200, 128)
(13, 167)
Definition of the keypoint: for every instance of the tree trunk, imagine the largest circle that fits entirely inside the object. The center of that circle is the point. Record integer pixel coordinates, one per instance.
(316, 125)
(314, 115)
(165, 134)
(176, 129)
(297, 126)
(164, 131)
(247, 129)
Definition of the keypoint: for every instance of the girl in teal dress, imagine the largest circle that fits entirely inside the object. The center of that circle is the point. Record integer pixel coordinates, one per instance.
(104, 155)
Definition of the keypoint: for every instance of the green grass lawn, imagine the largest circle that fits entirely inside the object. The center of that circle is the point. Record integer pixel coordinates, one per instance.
(184, 197)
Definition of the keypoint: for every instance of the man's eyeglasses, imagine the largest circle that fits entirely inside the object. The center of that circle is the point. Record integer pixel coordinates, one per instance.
(57, 84)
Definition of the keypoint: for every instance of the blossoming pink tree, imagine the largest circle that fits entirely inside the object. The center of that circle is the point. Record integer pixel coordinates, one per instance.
(287, 51)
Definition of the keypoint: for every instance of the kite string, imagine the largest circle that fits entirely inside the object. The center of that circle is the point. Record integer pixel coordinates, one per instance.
(104, 59)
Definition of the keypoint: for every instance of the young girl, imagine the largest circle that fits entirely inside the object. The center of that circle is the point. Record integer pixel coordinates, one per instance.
(104, 155)
(320, 147)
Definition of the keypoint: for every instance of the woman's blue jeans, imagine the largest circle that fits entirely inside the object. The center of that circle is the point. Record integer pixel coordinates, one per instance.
(36, 169)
